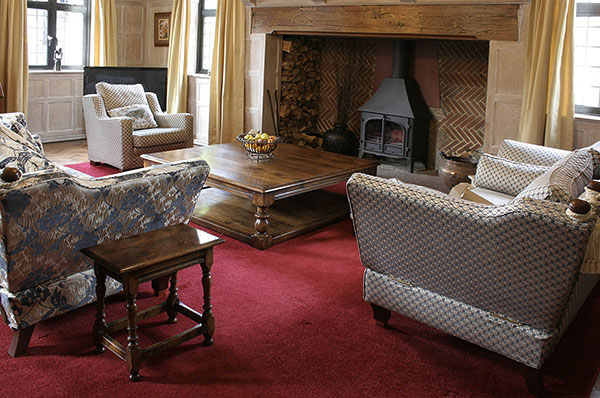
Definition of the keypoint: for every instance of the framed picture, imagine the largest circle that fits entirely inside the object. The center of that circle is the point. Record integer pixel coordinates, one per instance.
(162, 24)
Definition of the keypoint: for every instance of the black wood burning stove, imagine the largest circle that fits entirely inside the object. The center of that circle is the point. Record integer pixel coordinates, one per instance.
(395, 121)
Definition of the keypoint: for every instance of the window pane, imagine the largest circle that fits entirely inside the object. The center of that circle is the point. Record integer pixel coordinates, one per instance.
(212, 4)
(587, 59)
(71, 2)
(69, 32)
(37, 36)
(208, 41)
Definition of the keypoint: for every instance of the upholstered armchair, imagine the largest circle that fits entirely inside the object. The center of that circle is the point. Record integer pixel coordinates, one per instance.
(505, 277)
(120, 140)
(48, 214)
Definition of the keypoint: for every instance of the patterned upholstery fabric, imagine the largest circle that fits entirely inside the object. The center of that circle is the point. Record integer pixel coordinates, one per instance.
(48, 217)
(16, 151)
(158, 136)
(141, 115)
(120, 95)
(501, 277)
(530, 153)
(113, 140)
(16, 123)
(566, 179)
(504, 175)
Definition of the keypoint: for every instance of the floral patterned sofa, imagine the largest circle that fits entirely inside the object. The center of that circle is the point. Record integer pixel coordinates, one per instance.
(50, 213)
(506, 277)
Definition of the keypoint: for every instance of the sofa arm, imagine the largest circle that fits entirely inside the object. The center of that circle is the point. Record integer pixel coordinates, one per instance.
(56, 217)
(519, 260)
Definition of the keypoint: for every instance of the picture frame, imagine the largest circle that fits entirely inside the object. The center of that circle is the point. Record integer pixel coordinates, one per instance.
(162, 25)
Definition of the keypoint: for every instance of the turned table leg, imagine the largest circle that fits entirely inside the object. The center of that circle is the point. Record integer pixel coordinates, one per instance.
(134, 354)
(262, 239)
(172, 299)
(100, 324)
(207, 315)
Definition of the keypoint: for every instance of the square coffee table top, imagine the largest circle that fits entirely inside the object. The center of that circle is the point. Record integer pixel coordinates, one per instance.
(292, 166)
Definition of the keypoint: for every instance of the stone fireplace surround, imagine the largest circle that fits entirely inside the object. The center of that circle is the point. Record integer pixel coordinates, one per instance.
(460, 72)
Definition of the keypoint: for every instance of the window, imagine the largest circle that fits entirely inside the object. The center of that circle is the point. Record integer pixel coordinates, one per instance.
(587, 57)
(207, 18)
(54, 25)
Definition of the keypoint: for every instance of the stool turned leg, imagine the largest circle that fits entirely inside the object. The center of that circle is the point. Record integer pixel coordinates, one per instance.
(100, 324)
(207, 317)
(172, 300)
(134, 355)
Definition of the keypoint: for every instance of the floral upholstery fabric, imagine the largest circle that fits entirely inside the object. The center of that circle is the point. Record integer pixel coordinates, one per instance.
(486, 274)
(504, 175)
(566, 179)
(16, 123)
(16, 151)
(141, 115)
(48, 216)
(530, 153)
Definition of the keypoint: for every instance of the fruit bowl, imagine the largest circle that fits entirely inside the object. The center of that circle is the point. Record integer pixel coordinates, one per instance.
(258, 148)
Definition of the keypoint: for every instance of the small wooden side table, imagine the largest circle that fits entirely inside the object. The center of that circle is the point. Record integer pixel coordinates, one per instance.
(142, 258)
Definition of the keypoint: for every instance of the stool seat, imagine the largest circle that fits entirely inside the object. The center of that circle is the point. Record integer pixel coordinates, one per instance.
(144, 257)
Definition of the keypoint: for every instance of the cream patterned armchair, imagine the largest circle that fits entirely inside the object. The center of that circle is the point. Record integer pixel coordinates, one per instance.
(48, 214)
(122, 123)
(505, 277)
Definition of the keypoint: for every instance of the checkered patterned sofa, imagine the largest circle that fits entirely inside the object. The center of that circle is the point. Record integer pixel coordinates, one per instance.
(505, 277)
(49, 213)
(117, 140)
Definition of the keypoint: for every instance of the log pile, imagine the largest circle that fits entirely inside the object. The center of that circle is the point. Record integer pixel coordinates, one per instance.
(300, 81)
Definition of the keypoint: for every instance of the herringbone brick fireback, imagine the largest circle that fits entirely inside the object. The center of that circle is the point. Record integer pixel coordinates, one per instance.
(463, 70)
(359, 55)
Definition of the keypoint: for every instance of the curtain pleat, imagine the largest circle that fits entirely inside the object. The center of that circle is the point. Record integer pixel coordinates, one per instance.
(14, 69)
(227, 75)
(179, 35)
(547, 108)
(104, 39)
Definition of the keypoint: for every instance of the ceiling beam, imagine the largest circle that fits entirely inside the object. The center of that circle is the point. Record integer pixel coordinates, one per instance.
(474, 22)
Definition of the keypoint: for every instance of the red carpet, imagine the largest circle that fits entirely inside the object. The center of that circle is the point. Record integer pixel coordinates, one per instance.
(291, 322)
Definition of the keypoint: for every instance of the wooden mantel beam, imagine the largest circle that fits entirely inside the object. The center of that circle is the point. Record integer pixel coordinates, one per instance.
(475, 22)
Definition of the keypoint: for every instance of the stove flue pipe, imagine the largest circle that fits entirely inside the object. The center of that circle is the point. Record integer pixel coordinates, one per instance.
(400, 59)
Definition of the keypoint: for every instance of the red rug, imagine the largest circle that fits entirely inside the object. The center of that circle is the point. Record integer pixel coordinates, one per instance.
(94, 171)
(291, 322)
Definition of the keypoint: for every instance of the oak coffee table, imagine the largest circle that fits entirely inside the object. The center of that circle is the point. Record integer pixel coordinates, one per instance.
(268, 201)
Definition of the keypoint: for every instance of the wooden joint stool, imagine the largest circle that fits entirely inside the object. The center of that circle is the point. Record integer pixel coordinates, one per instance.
(146, 257)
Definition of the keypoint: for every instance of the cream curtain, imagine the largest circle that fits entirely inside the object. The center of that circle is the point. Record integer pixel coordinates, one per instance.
(14, 69)
(179, 35)
(547, 108)
(104, 39)
(227, 75)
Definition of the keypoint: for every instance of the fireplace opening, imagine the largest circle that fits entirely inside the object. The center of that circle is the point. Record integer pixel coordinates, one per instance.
(395, 120)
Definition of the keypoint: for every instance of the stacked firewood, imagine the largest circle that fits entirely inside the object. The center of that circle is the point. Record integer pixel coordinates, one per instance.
(300, 81)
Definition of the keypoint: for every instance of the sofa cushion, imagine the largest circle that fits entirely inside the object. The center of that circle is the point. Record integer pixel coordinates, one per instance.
(530, 153)
(19, 154)
(504, 175)
(120, 95)
(594, 150)
(141, 115)
(566, 179)
(158, 136)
